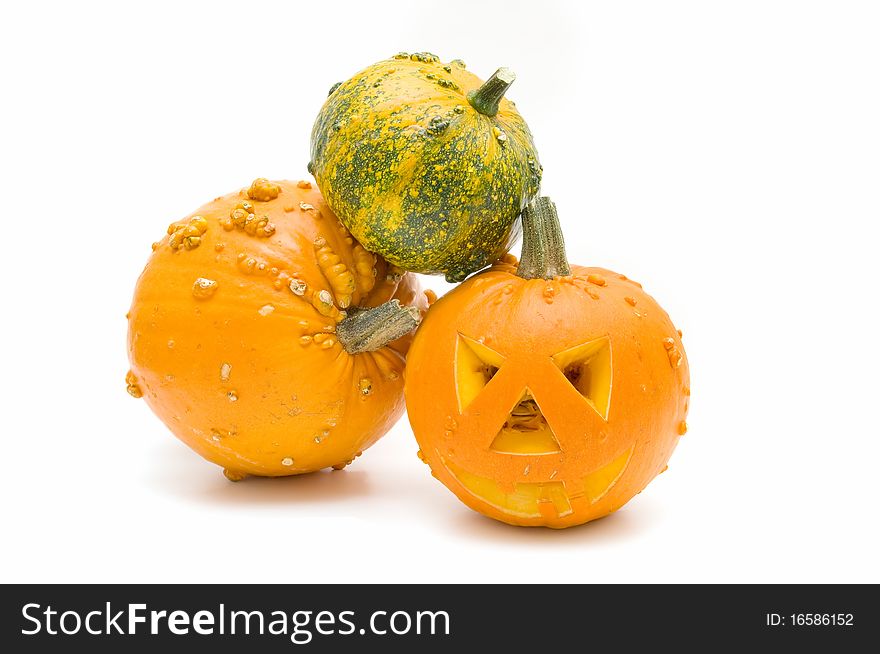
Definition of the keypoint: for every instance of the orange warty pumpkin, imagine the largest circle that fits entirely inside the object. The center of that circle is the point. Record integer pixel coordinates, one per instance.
(266, 338)
(543, 394)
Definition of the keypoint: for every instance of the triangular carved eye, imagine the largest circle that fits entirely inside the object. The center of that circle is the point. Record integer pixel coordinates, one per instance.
(475, 365)
(588, 368)
(526, 431)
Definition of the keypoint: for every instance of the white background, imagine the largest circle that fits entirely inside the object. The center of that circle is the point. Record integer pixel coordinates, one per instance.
(727, 155)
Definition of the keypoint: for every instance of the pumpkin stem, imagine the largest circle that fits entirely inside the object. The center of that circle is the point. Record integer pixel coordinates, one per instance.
(486, 98)
(366, 330)
(543, 248)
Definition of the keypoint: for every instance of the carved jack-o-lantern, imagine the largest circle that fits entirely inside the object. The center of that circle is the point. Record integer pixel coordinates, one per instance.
(547, 394)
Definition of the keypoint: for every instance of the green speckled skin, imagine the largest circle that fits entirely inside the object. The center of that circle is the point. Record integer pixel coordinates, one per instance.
(416, 173)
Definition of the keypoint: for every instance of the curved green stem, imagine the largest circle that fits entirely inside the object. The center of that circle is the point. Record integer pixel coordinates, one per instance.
(366, 330)
(487, 98)
(543, 248)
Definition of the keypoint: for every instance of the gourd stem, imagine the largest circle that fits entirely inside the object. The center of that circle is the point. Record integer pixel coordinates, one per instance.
(366, 330)
(543, 248)
(487, 98)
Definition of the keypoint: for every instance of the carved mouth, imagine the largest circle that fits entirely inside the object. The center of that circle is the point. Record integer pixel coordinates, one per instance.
(548, 499)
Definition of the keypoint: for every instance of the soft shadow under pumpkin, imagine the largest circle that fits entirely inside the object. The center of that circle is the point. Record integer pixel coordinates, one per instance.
(639, 516)
(186, 479)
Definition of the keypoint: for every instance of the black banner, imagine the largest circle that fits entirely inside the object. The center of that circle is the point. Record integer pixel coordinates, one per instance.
(227, 618)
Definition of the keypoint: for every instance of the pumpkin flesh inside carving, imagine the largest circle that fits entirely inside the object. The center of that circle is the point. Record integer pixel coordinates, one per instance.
(475, 365)
(588, 368)
(526, 430)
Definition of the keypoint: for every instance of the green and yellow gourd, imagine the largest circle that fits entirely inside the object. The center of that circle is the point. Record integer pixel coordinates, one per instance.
(426, 164)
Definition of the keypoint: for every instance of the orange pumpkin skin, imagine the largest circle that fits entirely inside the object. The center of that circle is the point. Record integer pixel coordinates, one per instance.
(597, 463)
(232, 337)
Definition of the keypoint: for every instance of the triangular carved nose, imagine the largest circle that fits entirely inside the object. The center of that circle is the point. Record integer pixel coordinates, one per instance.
(526, 431)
